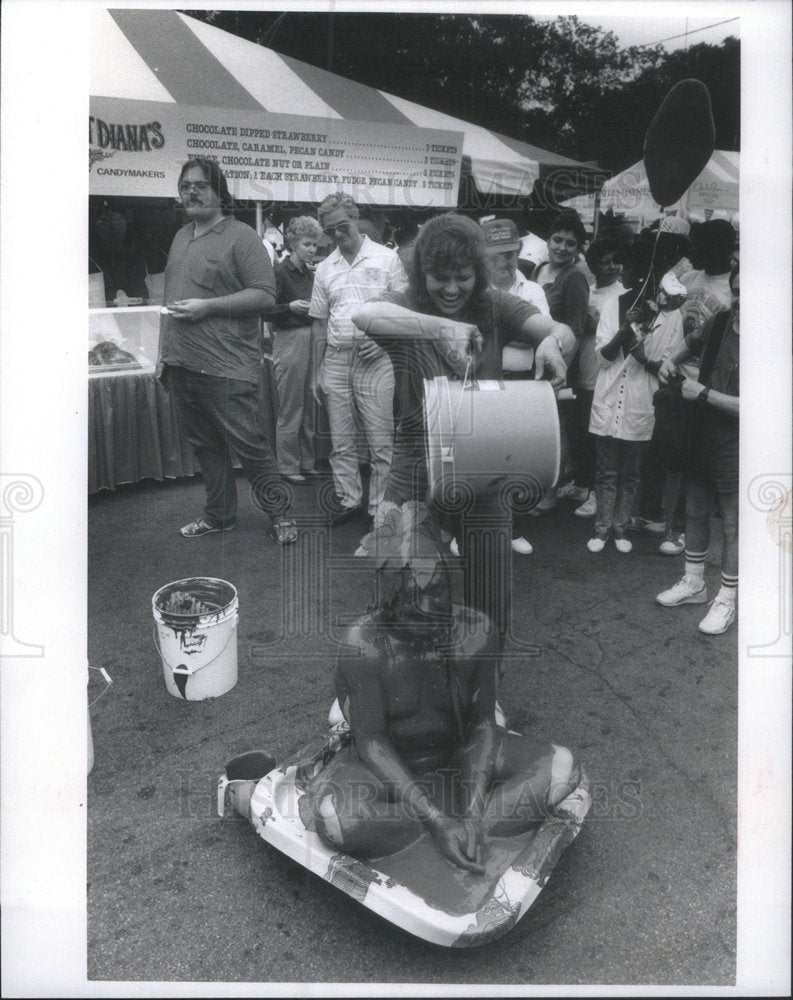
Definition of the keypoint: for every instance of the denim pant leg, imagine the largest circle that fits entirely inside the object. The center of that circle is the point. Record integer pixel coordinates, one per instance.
(631, 455)
(336, 380)
(652, 479)
(606, 481)
(239, 408)
(373, 386)
(204, 429)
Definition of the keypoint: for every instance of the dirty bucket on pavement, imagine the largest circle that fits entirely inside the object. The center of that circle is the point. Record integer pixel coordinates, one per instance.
(195, 633)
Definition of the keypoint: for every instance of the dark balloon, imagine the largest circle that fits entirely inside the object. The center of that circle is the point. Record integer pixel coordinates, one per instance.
(679, 141)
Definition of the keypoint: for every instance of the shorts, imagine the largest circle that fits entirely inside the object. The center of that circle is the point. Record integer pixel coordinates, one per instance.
(714, 458)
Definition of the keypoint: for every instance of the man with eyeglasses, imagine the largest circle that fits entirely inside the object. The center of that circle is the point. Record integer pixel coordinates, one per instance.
(218, 280)
(357, 270)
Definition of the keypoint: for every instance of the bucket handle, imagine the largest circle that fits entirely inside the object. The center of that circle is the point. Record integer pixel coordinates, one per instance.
(184, 669)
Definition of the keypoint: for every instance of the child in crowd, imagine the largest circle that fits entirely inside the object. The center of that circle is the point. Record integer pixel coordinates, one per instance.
(602, 257)
(629, 354)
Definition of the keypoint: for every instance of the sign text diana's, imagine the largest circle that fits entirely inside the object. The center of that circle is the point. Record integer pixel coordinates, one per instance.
(130, 138)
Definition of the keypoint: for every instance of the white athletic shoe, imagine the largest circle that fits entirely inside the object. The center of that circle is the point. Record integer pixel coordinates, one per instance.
(454, 548)
(719, 618)
(522, 546)
(623, 544)
(686, 591)
(588, 508)
(672, 545)
(596, 544)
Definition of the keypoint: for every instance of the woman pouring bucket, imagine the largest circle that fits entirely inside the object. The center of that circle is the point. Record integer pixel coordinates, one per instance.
(449, 322)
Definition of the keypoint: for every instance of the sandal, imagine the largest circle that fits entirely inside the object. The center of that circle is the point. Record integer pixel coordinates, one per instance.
(284, 531)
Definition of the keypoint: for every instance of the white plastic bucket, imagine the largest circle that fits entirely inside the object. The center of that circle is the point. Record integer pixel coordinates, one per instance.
(196, 636)
(491, 428)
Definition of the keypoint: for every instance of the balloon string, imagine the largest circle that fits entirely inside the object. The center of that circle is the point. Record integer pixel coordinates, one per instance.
(652, 265)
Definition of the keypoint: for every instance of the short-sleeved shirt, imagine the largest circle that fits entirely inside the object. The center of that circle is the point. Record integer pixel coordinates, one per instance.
(587, 367)
(567, 295)
(340, 287)
(416, 360)
(291, 283)
(715, 435)
(225, 259)
(622, 406)
(723, 369)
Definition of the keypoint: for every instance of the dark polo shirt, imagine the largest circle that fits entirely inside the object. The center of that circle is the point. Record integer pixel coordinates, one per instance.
(225, 259)
(290, 284)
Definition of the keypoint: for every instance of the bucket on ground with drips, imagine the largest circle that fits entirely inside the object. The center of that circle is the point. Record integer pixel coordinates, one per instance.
(195, 632)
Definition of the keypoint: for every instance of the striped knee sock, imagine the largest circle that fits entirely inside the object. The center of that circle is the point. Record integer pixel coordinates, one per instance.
(695, 564)
(729, 588)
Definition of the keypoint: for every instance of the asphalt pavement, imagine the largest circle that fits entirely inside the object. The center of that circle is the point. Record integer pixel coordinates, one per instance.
(645, 895)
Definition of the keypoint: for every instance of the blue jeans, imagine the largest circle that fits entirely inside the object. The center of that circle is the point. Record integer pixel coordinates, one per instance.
(617, 481)
(221, 418)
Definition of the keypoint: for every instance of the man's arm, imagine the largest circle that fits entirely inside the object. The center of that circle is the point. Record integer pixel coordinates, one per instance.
(246, 302)
(718, 400)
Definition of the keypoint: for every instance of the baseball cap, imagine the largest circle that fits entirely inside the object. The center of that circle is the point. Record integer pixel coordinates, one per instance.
(500, 235)
(674, 224)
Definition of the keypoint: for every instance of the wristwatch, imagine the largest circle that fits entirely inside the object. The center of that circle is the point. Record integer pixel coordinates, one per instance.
(703, 396)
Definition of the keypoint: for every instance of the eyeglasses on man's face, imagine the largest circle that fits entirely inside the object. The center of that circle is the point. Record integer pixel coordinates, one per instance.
(341, 227)
(200, 186)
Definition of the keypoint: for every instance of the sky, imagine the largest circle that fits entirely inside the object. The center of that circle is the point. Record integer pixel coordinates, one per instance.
(648, 30)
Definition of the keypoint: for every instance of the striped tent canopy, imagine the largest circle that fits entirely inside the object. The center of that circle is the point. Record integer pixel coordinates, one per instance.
(166, 56)
(716, 189)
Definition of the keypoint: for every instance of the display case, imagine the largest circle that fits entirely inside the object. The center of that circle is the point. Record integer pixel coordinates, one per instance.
(123, 340)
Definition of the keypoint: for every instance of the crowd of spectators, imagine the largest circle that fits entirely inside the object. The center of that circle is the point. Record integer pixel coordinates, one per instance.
(639, 339)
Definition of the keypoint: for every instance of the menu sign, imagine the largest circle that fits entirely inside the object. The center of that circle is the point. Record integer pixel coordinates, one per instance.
(138, 148)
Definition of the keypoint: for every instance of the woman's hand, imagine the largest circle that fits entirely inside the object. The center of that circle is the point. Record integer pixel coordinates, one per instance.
(461, 841)
(189, 310)
(548, 358)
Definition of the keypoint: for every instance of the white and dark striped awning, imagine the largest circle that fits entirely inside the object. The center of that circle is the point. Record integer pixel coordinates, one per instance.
(165, 56)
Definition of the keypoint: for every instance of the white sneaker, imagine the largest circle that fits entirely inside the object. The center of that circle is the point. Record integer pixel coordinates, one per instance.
(719, 618)
(454, 548)
(596, 544)
(623, 544)
(686, 591)
(572, 492)
(522, 546)
(672, 545)
(588, 508)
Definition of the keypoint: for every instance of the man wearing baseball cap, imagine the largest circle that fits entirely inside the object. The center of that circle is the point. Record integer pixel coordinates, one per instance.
(502, 245)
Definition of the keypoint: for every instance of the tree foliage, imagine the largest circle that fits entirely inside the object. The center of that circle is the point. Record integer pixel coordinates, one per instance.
(560, 84)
